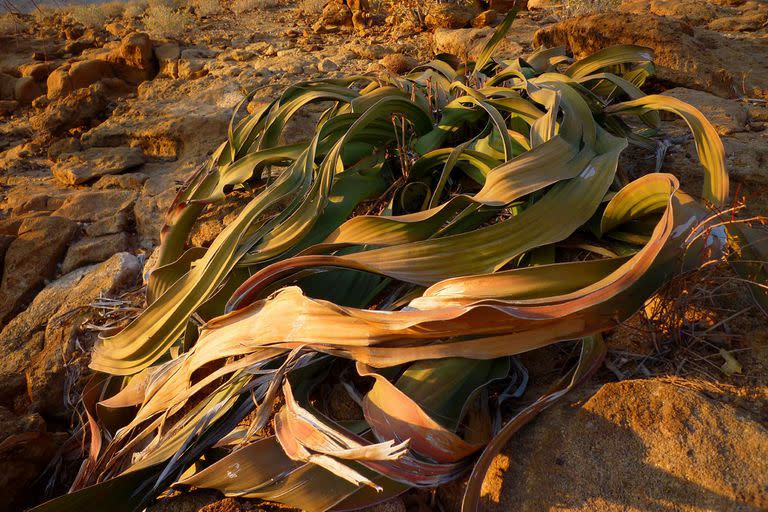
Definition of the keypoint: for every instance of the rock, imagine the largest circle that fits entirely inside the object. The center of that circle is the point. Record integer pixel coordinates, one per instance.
(535, 5)
(744, 23)
(335, 13)
(695, 12)
(81, 44)
(83, 166)
(133, 60)
(465, 43)
(7, 86)
(485, 18)
(171, 119)
(108, 225)
(167, 56)
(37, 70)
(72, 111)
(27, 447)
(398, 63)
(191, 67)
(449, 16)
(8, 107)
(370, 52)
(63, 145)
(327, 65)
(5, 242)
(649, 445)
(693, 57)
(727, 116)
(93, 205)
(129, 181)
(93, 250)
(508, 5)
(78, 75)
(26, 90)
(31, 259)
(746, 156)
(41, 340)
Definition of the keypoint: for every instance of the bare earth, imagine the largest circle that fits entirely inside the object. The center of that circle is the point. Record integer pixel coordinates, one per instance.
(99, 127)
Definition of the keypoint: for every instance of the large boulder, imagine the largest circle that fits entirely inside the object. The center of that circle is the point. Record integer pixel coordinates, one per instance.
(32, 258)
(93, 250)
(26, 449)
(72, 111)
(93, 205)
(467, 43)
(83, 166)
(449, 15)
(636, 445)
(26, 90)
(46, 341)
(693, 57)
(133, 61)
(77, 75)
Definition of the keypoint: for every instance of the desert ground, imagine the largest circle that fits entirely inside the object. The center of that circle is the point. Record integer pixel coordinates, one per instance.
(106, 111)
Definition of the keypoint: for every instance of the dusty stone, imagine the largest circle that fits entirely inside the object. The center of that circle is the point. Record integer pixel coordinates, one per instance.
(169, 121)
(449, 16)
(81, 44)
(508, 5)
(749, 22)
(167, 56)
(26, 90)
(61, 146)
(7, 86)
(727, 116)
(8, 107)
(650, 445)
(485, 18)
(465, 43)
(96, 204)
(72, 111)
(398, 63)
(31, 259)
(78, 75)
(689, 56)
(83, 166)
(133, 61)
(27, 447)
(129, 181)
(108, 225)
(534, 5)
(37, 70)
(695, 12)
(41, 340)
(93, 250)
(334, 14)
(370, 52)
(327, 65)
(747, 157)
(5, 242)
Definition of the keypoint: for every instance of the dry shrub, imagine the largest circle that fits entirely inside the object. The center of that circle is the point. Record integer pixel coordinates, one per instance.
(134, 10)
(10, 24)
(312, 6)
(241, 6)
(87, 15)
(43, 14)
(206, 7)
(111, 9)
(703, 324)
(164, 21)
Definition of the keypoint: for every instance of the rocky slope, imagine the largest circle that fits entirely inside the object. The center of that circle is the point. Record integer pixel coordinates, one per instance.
(100, 126)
